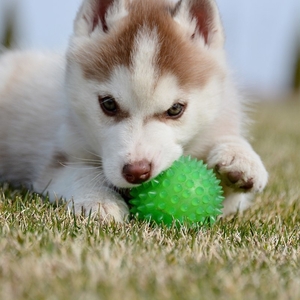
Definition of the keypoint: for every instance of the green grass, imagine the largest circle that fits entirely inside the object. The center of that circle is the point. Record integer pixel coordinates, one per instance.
(47, 253)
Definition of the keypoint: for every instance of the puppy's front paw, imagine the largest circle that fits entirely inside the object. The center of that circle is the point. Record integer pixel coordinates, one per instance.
(238, 167)
(109, 209)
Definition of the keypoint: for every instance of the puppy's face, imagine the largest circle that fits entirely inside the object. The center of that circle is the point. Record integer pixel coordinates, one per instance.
(142, 92)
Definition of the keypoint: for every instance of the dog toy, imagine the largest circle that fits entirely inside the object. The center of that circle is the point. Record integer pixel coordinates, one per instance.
(186, 193)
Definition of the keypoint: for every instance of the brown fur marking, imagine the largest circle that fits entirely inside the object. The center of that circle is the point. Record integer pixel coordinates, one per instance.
(59, 160)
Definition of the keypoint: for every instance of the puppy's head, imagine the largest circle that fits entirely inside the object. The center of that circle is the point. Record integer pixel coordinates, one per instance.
(144, 80)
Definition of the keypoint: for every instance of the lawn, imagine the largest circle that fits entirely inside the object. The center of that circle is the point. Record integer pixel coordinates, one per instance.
(47, 253)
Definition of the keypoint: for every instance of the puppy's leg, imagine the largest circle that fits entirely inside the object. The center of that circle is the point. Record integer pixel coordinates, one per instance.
(240, 169)
(235, 202)
(85, 189)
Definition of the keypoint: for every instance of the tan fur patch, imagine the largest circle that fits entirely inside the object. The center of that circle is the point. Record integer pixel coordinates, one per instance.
(59, 160)
(177, 55)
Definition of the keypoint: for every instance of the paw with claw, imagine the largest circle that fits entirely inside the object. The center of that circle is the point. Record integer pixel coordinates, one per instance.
(238, 166)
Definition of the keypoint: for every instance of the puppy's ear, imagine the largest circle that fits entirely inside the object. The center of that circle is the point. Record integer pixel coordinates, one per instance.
(201, 20)
(98, 15)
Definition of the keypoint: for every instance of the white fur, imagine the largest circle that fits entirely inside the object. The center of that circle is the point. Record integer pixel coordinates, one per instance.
(47, 108)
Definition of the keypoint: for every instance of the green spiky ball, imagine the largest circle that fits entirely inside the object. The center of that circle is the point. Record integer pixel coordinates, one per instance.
(186, 193)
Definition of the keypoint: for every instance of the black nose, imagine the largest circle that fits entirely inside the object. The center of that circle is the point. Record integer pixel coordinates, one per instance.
(137, 172)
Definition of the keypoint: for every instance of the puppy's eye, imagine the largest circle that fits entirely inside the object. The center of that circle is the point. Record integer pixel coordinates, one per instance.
(175, 111)
(109, 105)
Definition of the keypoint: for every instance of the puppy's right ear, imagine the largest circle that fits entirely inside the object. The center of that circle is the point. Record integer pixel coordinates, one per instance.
(201, 19)
(98, 15)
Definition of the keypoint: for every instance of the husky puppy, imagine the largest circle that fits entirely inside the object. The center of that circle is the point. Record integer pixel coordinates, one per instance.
(142, 83)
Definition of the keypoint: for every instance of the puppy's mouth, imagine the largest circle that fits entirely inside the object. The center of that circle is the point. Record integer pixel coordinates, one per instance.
(125, 194)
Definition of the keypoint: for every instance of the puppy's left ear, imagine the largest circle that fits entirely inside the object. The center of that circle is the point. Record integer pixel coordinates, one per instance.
(98, 15)
(201, 19)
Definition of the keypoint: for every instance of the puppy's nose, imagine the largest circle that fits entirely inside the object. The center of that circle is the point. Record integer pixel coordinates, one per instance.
(137, 172)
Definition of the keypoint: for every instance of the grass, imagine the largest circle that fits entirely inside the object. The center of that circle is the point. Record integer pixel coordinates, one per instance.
(47, 253)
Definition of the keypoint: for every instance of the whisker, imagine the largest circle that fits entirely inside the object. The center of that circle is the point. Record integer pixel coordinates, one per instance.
(83, 159)
(81, 163)
(92, 153)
